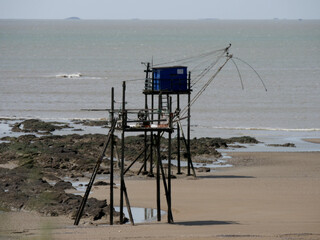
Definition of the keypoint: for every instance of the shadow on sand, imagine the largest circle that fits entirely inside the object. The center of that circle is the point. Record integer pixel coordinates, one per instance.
(225, 176)
(205, 223)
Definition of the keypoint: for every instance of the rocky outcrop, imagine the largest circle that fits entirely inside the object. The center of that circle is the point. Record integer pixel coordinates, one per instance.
(25, 189)
(54, 157)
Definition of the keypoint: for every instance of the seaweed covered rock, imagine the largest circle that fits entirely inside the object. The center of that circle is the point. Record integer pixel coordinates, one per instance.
(98, 123)
(26, 189)
(38, 126)
(75, 154)
(69, 154)
(244, 139)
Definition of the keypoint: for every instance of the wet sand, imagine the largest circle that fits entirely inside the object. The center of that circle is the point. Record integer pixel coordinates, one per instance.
(313, 140)
(264, 196)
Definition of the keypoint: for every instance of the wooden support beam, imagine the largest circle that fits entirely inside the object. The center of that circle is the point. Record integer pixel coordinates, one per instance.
(134, 161)
(167, 193)
(127, 202)
(117, 156)
(144, 164)
(188, 149)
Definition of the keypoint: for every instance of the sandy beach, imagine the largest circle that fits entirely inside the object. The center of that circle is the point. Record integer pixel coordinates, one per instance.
(253, 134)
(264, 196)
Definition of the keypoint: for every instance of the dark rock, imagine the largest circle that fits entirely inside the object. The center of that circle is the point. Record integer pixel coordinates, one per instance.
(244, 139)
(97, 123)
(64, 185)
(77, 130)
(101, 183)
(98, 214)
(236, 146)
(204, 169)
(282, 145)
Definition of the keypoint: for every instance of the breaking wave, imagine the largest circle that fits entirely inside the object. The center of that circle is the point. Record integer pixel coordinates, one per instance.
(72, 75)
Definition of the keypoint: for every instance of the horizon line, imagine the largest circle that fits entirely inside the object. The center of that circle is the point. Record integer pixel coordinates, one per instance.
(160, 19)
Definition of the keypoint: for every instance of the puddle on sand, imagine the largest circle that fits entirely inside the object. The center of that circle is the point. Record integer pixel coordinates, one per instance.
(141, 215)
(220, 163)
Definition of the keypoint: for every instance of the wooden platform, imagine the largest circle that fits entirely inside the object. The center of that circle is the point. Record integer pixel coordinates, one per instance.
(150, 92)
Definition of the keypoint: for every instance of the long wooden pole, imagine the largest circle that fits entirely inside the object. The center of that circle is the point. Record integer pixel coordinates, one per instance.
(189, 120)
(145, 140)
(111, 160)
(145, 133)
(151, 133)
(158, 164)
(170, 219)
(178, 136)
(122, 153)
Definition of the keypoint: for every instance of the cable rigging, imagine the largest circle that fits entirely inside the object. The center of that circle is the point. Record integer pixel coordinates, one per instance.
(199, 61)
(188, 59)
(204, 87)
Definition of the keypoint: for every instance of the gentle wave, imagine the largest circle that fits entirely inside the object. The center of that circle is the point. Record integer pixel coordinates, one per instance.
(266, 129)
(77, 75)
(199, 126)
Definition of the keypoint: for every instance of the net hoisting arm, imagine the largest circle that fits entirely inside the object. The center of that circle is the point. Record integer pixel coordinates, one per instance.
(195, 98)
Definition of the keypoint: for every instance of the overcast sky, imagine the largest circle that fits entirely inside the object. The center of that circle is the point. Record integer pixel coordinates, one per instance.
(164, 9)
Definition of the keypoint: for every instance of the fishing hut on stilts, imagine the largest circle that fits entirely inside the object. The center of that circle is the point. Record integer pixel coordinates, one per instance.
(161, 84)
(157, 118)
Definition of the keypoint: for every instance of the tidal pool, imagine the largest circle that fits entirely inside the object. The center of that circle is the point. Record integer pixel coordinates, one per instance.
(141, 215)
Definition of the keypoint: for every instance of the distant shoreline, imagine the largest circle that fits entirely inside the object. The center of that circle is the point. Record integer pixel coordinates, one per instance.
(312, 140)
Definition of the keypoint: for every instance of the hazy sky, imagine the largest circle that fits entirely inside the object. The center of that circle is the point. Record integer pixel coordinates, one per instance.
(164, 9)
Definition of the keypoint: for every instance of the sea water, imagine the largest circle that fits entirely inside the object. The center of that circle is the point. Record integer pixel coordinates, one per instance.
(52, 69)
